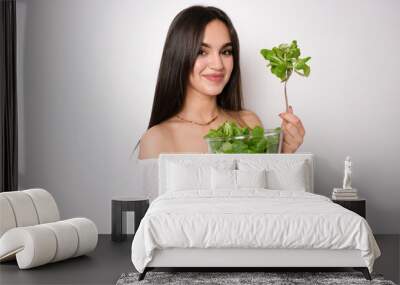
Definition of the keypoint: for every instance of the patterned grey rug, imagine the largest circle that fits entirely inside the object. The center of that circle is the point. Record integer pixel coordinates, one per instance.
(270, 278)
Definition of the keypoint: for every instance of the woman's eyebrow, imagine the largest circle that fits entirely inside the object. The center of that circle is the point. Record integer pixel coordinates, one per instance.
(223, 46)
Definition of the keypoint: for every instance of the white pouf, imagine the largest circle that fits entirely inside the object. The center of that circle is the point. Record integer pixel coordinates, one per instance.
(31, 232)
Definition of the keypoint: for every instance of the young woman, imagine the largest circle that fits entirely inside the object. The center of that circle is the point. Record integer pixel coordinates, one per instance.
(199, 87)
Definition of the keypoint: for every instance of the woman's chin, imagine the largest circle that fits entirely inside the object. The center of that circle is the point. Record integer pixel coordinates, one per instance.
(212, 91)
(212, 94)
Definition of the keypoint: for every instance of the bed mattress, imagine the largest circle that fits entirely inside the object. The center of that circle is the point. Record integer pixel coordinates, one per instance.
(250, 219)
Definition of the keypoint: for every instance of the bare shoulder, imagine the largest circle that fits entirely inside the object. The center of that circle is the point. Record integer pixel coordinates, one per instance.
(250, 118)
(153, 142)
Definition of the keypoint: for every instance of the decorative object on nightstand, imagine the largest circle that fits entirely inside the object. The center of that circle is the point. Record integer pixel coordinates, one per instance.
(347, 192)
(121, 205)
(358, 205)
(347, 196)
(347, 173)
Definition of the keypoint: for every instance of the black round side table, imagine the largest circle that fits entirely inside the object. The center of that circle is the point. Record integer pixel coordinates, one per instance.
(119, 207)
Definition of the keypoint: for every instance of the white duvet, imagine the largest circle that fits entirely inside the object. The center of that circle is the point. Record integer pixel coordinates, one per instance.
(250, 218)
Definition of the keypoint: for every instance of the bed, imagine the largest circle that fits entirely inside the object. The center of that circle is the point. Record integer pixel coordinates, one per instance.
(245, 211)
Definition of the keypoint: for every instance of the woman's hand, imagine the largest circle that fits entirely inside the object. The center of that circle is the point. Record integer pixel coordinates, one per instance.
(293, 131)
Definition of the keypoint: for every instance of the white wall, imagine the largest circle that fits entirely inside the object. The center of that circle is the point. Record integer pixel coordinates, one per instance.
(87, 72)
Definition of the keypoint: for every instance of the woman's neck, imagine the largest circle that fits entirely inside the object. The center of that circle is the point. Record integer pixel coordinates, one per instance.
(199, 107)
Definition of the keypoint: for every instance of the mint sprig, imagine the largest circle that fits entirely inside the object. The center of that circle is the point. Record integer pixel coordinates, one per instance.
(284, 60)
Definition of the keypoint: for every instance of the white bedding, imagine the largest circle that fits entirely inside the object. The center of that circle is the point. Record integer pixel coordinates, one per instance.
(250, 218)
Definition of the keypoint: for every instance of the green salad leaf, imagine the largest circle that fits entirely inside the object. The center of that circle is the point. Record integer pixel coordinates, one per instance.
(285, 59)
(230, 138)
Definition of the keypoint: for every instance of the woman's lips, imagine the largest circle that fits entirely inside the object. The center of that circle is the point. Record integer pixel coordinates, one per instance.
(214, 78)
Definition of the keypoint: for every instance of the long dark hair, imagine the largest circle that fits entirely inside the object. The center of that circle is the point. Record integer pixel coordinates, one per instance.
(181, 48)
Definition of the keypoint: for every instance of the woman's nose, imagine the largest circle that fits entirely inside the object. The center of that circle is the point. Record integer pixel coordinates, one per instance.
(216, 61)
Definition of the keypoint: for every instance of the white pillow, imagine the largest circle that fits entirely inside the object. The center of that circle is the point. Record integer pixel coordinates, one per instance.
(281, 174)
(251, 178)
(223, 179)
(189, 176)
(237, 179)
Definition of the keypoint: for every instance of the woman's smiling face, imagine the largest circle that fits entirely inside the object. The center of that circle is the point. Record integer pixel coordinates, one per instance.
(214, 63)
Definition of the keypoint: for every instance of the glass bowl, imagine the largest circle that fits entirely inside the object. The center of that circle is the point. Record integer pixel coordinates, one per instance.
(269, 143)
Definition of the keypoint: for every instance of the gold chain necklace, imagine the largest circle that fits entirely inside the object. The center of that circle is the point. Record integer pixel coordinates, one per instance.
(200, 124)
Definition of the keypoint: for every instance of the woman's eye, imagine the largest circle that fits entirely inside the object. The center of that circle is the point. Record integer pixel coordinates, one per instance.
(227, 52)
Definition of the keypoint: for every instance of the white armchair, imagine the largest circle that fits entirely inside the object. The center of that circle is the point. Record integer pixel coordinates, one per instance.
(31, 230)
